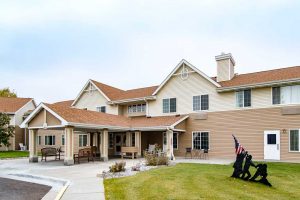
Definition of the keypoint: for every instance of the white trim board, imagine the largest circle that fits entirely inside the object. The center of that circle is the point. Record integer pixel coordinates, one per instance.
(90, 81)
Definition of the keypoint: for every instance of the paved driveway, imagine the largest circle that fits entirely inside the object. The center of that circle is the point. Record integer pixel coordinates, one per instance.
(20, 190)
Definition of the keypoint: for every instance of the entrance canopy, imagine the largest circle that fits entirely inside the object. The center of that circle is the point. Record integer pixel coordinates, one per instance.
(50, 116)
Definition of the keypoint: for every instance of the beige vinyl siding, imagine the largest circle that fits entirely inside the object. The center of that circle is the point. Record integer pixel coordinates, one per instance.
(20, 113)
(91, 100)
(249, 130)
(184, 90)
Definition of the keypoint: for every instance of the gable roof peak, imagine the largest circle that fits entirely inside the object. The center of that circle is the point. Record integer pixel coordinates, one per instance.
(183, 61)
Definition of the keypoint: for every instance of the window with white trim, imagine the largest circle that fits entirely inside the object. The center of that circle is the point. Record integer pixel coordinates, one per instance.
(294, 140)
(200, 102)
(175, 140)
(164, 138)
(50, 140)
(243, 98)
(136, 108)
(111, 141)
(286, 95)
(39, 140)
(201, 140)
(83, 141)
(169, 105)
(101, 109)
(62, 139)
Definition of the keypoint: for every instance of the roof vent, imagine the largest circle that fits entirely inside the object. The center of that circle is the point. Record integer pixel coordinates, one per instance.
(149, 116)
(178, 115)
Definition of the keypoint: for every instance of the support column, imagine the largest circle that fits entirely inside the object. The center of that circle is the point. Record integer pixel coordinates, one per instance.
(138, 142)
(128, 139)
(69, 146)
(170, 152)
(104, 145)
(95, 139)
(33, 157)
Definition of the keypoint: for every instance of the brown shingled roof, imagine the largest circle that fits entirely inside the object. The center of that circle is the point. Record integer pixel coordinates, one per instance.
(117, 94)
(67, 103)
(97, 118)
(11, 104)
(263, 77)
(137, 93)
(88, 117)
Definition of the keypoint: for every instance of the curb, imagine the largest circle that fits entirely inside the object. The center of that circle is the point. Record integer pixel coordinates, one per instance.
(62, 191)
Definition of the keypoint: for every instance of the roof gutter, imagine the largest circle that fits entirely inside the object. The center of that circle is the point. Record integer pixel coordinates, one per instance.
(259, 85)
(132, 100)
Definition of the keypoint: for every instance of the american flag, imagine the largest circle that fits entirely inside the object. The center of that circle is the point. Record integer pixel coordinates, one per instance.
(238, 147)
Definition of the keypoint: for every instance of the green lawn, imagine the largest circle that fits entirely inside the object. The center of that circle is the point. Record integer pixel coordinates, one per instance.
(200, 181)
(13, 154)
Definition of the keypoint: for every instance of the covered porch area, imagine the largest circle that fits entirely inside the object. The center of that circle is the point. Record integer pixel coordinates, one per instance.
(105, 134)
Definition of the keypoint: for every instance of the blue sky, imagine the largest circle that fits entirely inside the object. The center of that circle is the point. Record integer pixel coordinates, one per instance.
(49, 49)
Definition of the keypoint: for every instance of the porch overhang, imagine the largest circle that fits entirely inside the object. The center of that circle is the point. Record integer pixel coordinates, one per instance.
(47, 116)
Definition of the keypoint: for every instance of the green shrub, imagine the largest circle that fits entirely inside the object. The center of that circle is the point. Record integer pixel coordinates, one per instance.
(117, 167)
(162, 160)
(156, 159)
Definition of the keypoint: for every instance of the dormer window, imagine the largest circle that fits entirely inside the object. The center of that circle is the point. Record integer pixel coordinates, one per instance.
(101, 109)
(137, 108)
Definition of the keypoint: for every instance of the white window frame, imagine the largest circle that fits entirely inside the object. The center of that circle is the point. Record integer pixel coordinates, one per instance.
(199, 95)
(177, 135)
(134, 108)
(280, 104)
(290, 140)
(98, 108)
(39, 140)
(200, 138)
(52, 140)
(87, 140)
(236, 99)
(169, 100)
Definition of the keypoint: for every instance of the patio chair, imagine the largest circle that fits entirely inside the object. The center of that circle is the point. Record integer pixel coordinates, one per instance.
(22, 147)
(188, 151)
(151, 148)
(204, 154)
(196, 153)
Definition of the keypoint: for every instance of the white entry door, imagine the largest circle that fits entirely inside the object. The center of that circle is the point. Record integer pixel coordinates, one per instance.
(272, 145)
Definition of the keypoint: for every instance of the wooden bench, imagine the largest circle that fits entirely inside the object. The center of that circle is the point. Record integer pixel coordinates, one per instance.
(84, 153)
(125, 150)
(50, 151)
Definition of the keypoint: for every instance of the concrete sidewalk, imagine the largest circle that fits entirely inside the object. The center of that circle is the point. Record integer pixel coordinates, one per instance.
(82, 178)
(84, 183)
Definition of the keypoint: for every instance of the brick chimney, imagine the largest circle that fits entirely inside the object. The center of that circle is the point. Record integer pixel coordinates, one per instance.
(225, 67)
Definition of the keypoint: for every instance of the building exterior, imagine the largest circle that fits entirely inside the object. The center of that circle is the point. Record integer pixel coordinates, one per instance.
(187, 110)
(17, 109)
